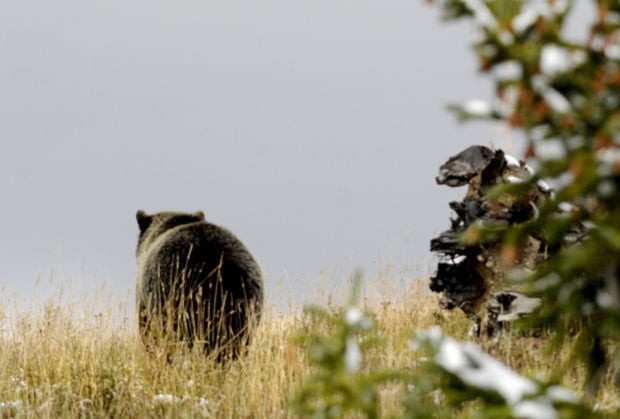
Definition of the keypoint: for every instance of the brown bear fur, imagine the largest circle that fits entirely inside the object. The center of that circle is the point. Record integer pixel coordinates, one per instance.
(197, 284)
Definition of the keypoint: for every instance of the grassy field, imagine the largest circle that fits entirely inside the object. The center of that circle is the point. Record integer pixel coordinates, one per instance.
(61, 360)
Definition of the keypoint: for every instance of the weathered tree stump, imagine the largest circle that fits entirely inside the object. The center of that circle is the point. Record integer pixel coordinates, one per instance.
(471, 277)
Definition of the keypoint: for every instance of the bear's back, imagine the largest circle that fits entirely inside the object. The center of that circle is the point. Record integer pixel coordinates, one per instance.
(177, 248)
(202, 249)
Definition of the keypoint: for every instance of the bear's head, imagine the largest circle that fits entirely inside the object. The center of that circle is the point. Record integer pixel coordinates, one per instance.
(153, 225)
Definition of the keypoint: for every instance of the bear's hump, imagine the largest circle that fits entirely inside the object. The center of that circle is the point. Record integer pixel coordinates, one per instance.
(153, 226)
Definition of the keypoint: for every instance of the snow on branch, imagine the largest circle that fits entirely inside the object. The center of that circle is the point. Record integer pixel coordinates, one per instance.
(481, 372)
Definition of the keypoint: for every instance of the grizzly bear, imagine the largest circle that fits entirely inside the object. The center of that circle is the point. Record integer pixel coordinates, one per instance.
(197, 284)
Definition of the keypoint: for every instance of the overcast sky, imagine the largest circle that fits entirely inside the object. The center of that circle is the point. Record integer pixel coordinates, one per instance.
(314, 130)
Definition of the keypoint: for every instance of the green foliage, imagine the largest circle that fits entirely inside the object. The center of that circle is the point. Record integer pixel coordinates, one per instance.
(563, 95)
(471, 381)
(447, 379)
(339, 384)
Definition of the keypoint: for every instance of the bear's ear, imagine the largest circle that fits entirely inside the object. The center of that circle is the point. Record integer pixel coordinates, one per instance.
(144, 220)
(200, 215)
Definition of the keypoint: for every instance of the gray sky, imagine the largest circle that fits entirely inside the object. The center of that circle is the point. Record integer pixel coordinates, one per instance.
(312, 129)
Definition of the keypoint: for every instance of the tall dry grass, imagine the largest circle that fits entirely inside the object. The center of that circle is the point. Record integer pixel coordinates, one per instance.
(59, 360)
